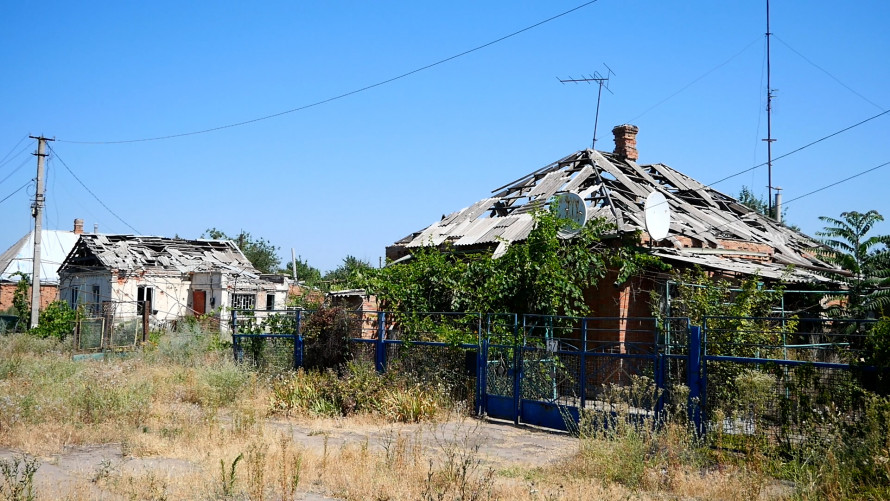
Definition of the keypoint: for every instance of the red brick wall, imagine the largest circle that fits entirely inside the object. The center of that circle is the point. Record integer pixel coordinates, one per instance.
(48, 294)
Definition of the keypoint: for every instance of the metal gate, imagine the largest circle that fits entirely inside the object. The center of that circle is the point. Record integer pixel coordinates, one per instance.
(548, 370)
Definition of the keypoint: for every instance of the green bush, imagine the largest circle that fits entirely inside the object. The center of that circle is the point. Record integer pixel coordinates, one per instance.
(57, 320)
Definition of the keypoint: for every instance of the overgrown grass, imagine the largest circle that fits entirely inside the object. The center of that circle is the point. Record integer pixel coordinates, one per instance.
(359, 390)
(183, 398)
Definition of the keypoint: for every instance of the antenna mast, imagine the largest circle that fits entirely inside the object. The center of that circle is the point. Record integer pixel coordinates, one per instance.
(603, 81)
(769, 122)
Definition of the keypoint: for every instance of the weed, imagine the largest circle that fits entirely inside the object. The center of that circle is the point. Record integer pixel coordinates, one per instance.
(227, 477)
(17, 478)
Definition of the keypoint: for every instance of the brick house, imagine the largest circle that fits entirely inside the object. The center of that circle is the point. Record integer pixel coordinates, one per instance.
(54, 246)
(707, 228)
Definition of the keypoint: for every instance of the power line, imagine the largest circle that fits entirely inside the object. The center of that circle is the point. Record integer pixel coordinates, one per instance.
(11, 150)
(802, 147)
(13, 157)
(56, 155)
(347, 94)
(839, 182)
(25, 161)
(16, 191)
(690, 84)
(836, 79)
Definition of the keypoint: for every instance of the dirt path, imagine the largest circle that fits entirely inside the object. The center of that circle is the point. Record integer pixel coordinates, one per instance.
(81, 469)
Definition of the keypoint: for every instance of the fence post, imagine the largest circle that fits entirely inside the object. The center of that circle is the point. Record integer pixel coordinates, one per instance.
(583, 371)
(298, 340)
(146, 311)
(517, 368)
(659, 365)
(482, 371)
(235, 340)
(380, 354)
(694, 379)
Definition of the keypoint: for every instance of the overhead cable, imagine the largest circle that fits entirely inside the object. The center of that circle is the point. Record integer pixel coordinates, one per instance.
(16, 191)
(56, 155)
(341, 96)
(690, 84)
(837, 182)
(801, 148)
(2, 160)
(823, 70)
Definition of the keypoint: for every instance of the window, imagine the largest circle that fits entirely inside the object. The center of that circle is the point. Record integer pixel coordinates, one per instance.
(97, 301)
(270, 301)
(75, 295)
(143, 294)
(243, 301)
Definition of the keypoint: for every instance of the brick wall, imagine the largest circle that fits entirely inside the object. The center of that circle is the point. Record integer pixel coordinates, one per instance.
(48, 294)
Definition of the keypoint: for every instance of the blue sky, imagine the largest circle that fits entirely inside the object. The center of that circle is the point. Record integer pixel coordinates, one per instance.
(354, 175)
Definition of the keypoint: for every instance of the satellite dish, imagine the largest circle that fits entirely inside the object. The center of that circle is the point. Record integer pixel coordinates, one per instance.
(572, 207)
(658, 216)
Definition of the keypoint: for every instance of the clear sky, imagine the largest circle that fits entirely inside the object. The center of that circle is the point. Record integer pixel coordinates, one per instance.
(355, 174)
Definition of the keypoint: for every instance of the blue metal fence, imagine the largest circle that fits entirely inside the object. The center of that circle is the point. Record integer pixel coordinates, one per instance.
(736, 376)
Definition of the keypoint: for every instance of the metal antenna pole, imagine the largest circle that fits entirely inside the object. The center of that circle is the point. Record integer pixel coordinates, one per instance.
(769, 122)
(602, 81)
(37, 212)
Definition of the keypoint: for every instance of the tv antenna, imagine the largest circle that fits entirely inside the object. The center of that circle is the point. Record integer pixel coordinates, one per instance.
(603, 81)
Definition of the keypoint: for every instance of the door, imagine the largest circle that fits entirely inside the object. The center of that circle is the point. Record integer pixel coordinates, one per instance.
(199, 301)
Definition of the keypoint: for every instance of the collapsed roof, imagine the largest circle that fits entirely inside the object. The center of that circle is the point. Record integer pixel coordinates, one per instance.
(707, 227)
(130, 254)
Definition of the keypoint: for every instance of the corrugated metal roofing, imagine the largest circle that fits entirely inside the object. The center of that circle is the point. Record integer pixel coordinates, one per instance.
(54, 246)
(613, 186)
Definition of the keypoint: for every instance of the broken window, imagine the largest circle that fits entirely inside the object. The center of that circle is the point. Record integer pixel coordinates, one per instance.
(143, 295)
(270, 301)
(243, 301)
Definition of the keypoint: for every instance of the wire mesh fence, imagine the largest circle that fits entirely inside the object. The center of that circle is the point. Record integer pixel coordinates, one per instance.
(790, 382)
(785, 380)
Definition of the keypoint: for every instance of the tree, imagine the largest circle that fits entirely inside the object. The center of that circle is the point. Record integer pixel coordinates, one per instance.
(758, 204)
(306, 274)
(351, 274)
(260, 252)
(543, 274)
(865, 258)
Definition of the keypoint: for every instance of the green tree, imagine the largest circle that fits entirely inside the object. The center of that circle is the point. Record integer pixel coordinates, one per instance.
(307, 274)
(260, 252)
(758, 204)
(21, 301)
(863, 257)
(351, 274)
(543, 274)
(56, 320)
(749, 199)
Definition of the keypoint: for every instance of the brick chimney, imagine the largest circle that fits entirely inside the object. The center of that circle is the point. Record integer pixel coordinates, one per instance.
(626, 141)
(78, 226)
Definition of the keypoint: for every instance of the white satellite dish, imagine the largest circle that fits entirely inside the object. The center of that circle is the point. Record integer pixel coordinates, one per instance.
(658, 216)
(572, 207)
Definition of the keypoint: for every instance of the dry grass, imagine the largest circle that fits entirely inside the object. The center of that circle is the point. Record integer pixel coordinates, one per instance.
(192, 425)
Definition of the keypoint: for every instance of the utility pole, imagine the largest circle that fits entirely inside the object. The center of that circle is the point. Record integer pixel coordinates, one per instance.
(603, 81)
(37, 213)
(769, 123)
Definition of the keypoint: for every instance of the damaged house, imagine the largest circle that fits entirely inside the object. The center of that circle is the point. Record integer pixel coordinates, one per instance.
(705, 228)
(118, 275)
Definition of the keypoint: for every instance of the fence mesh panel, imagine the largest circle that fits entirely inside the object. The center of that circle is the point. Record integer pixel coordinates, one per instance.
(90, 337)
(266, 353)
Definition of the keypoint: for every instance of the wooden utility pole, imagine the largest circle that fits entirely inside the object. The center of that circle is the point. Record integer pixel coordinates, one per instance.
(37, 213)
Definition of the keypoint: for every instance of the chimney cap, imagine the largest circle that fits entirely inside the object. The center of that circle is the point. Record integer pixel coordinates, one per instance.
(78, 226)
